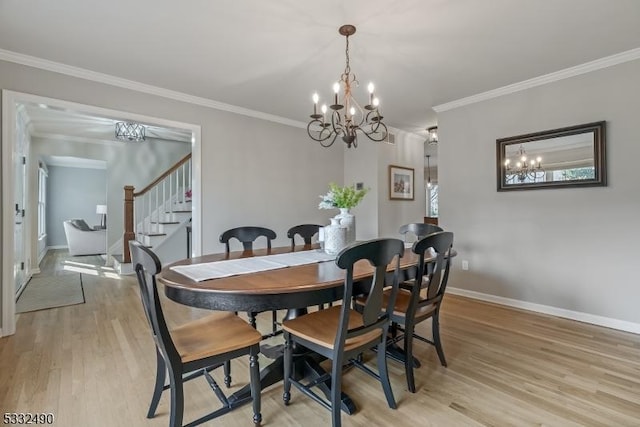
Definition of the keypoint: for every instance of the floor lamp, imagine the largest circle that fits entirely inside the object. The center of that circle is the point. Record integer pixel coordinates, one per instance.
(102, 211)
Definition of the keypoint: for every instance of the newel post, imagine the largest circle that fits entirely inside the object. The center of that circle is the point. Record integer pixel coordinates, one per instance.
(129, 234)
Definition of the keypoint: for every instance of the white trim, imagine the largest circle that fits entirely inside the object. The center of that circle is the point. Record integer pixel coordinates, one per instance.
(57, 247)
(9, 101)
(57, 67)
(8, 324)
(1, 335)
(607, 322)
(598, 64)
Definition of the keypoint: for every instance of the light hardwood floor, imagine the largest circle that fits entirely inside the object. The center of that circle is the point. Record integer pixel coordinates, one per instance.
(92, 364)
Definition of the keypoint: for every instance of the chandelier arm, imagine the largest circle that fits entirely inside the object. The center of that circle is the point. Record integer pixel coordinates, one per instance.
(323, 131)
(383, 135)
(325, 145)
(336, 124)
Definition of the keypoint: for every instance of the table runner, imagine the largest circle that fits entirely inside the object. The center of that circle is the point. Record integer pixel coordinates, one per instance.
(234, 267)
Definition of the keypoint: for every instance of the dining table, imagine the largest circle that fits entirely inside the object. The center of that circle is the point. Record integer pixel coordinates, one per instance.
(292, 288)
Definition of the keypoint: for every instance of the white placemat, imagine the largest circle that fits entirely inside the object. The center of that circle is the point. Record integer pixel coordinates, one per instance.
(234, 267)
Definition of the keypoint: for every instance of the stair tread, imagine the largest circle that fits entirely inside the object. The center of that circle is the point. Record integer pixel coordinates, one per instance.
(178, 211)
(165, 222)
(152, 234)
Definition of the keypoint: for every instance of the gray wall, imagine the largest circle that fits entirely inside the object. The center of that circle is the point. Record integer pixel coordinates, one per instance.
(73, 193)
(377, 215)
(574, 249)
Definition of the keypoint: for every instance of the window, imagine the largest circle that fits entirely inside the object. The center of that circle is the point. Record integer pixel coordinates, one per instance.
(574, 174)
(42, 202)
(432, 201)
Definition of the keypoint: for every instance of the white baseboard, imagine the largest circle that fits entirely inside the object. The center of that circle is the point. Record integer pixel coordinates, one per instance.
(43, 254)
(1, 334)
(58, 247)
(607, 322)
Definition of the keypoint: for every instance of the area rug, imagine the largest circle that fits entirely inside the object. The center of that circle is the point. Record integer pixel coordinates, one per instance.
(51, 291)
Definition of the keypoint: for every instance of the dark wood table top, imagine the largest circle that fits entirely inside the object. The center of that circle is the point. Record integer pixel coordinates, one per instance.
(288, 287)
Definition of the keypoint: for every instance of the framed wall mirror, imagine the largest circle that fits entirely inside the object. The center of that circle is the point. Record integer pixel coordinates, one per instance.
(566, 157)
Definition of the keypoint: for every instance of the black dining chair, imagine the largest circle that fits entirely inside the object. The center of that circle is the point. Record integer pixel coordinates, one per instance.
(193, 349)
(306, 231)
(340, 333)
(247, 235)
(420, 299)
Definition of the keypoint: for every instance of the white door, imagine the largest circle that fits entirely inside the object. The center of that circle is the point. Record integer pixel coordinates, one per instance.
(20, 167)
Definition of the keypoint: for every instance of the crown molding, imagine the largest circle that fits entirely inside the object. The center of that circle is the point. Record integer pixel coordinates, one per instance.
(57, 67)
(598, 64)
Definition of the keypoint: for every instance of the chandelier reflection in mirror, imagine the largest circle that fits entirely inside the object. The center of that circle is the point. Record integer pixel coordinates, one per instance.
(127, 131)
(347, 117)
(523, 170)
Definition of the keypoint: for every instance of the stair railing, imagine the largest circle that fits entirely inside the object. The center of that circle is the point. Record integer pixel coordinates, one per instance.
(145, 210)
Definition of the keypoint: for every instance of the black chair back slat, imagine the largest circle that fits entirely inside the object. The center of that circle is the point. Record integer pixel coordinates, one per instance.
(379, 253)
(247, 235)
(438, 275)
(147, 265)
(306, 231)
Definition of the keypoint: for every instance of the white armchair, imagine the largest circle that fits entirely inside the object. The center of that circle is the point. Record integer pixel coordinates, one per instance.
(83, 240)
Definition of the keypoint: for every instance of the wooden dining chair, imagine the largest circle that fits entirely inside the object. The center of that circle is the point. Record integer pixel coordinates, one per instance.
(306, 231)
(420, 299)
(340, 333)
(195, 348)
(247, 235)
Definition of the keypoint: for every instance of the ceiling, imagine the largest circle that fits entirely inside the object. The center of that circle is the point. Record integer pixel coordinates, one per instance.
(44, 120)
(271, 56)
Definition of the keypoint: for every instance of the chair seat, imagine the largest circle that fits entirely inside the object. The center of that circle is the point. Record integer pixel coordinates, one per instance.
(403, 298)
(213, 335)
(321, 327)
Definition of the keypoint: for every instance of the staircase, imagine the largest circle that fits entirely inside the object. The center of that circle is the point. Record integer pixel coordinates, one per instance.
(157, 216)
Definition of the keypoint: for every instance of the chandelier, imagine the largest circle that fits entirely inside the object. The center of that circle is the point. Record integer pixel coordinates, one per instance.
(524, 170)
(130, 131)
(432, 135)
(347, 117)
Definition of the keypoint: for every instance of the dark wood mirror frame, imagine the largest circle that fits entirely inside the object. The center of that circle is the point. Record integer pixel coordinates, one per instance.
(598, 131)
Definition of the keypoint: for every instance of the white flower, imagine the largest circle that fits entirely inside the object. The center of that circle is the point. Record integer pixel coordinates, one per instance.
(327, 201)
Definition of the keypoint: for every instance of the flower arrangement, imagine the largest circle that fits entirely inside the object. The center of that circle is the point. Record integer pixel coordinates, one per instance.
(341, 197)
(187, 194)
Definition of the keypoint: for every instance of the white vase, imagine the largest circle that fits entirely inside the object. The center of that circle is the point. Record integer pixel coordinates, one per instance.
(335, 237)
(348, 220)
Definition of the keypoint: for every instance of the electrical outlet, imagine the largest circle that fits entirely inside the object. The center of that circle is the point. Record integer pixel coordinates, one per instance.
(465, 264)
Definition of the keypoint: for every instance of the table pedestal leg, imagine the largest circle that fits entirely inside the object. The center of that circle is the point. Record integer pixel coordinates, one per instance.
(305, 366)
(398, 354)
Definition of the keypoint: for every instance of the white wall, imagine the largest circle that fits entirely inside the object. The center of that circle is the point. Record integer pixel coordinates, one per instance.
(573, 249)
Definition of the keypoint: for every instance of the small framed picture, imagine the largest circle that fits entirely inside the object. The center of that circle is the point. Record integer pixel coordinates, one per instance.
(401, 184)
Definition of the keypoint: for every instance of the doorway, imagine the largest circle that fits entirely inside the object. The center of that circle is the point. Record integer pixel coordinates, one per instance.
(19, 217)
